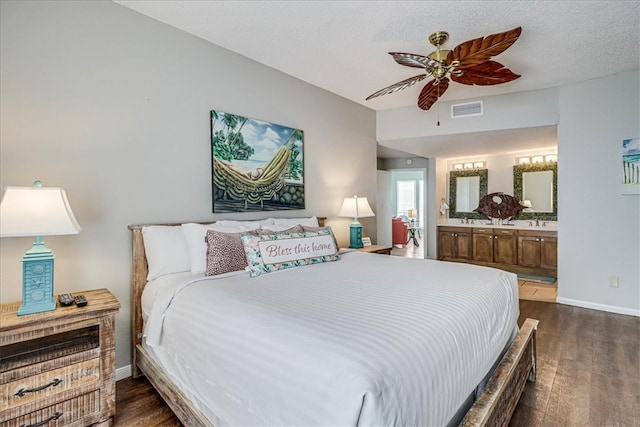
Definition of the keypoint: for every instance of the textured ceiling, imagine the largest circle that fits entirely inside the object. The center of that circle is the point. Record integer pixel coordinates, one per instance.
(342, 46)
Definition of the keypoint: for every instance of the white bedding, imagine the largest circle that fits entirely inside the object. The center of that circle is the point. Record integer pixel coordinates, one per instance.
(367, 340)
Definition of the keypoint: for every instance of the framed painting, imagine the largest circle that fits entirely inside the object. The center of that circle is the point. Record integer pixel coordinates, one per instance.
(631, 166)
(256, 165)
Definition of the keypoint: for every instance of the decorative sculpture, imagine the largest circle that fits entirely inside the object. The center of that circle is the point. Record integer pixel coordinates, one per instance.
(499, 206)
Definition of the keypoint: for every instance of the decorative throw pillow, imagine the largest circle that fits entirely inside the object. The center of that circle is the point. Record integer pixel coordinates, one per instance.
(196, 237)
(225, 253)
(307, 228)
(279, 251)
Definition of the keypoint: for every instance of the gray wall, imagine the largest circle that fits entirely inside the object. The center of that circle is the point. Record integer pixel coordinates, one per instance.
(114, 107)
(599, 233)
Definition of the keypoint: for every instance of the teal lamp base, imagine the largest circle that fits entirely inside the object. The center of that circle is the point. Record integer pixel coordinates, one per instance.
(355, 235)
(37, 280)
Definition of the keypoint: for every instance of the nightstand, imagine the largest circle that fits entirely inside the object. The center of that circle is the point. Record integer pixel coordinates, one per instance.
(377, 249)
(57, 368)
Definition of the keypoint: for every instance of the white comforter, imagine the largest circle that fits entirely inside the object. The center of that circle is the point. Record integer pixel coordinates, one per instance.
(367, 340)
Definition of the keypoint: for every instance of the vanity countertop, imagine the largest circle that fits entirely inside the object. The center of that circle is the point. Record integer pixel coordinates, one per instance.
(513, 225)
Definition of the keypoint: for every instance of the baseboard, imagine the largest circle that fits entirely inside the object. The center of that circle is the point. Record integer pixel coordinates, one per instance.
(122, 373)
(601, 307)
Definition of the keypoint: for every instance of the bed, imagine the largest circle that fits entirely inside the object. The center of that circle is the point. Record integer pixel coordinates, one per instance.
(333, 343)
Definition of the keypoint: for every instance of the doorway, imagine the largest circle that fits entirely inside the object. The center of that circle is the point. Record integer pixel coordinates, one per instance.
(408, 203)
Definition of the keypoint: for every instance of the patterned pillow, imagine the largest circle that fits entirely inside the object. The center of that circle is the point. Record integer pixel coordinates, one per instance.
(307, 228)
(225, 251)
(279, 251)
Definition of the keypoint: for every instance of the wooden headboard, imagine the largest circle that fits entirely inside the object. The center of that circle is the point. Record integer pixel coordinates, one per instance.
(139, 271)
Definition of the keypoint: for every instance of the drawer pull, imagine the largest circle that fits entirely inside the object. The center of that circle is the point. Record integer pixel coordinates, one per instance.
(22, 392)
(41, 423)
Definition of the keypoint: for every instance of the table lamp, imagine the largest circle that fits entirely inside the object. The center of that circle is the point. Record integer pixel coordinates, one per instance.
(413, 213)
(36, 211)
(355, 207)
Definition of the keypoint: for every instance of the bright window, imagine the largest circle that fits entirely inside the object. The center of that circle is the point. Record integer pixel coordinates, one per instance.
(406, 197)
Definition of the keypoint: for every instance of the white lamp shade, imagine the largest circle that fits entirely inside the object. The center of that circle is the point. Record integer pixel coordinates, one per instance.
(356, 207)
(527, 203)
(36, 211)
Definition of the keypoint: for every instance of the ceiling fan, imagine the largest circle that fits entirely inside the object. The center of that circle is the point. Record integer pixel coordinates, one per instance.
(468, 63)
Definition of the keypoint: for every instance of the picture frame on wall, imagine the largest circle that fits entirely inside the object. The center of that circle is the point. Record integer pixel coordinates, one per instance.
(256, 165)
(631, 166)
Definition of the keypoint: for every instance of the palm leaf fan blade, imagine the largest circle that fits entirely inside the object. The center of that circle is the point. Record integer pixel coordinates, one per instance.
(398, 86)
(485, 74)
(413, 60)
(431, 92)
(477, 51)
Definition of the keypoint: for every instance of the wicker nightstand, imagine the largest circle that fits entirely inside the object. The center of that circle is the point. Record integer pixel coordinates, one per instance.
(58, 367)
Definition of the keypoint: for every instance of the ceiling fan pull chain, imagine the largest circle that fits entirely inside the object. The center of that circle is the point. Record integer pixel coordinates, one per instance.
(438, 106)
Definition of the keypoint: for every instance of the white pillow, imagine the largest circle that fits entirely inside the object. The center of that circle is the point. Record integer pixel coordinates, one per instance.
(196, 240)
(275, 228)
(166, 250)
(254, 225)
(290, 222)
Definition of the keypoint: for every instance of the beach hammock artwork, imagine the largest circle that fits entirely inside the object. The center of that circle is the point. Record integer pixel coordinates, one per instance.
(256, 165)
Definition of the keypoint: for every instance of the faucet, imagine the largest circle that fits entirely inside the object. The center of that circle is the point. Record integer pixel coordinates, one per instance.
(537, 222)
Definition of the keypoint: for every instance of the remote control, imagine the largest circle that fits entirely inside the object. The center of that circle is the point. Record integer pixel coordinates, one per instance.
(81, 301)
(65, 299)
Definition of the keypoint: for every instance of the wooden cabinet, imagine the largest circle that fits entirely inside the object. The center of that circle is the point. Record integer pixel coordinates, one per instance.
(495, 245)
(538, 249)
(57, 368)
(517, 250)
(454, 242)
(483, 244)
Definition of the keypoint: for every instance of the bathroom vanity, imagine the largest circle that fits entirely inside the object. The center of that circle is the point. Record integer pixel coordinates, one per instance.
(523, 247)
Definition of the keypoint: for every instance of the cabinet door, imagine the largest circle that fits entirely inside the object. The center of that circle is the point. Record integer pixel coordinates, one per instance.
(463, 245)
(483, 247)
(446, 246)
(549, 252)
(505, 249)
(529, 251)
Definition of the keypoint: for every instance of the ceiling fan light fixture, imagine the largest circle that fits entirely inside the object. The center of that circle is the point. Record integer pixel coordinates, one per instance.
(473, 58)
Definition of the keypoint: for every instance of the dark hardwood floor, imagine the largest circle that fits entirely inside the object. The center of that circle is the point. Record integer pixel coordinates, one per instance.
(588, 374)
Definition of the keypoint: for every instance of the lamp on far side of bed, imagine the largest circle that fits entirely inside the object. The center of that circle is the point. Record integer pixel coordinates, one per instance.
(355, 207)
(36, 211)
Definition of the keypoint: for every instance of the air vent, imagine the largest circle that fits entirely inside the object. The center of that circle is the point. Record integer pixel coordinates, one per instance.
(466, 110)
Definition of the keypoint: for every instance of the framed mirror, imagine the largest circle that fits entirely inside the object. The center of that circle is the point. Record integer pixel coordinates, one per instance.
(466, 188)
(536, 186)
